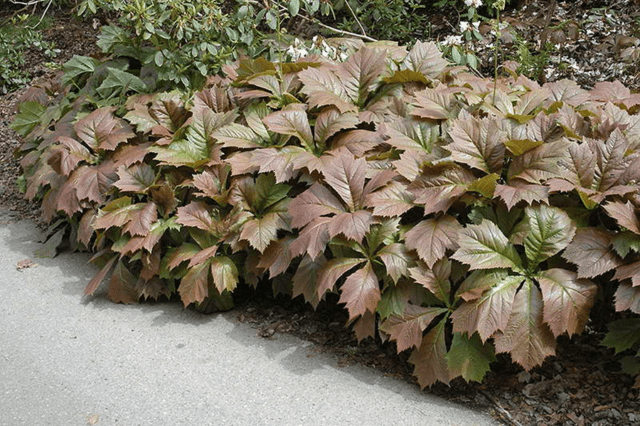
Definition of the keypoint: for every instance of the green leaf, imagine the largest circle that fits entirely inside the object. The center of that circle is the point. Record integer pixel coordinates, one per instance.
(624, 242)
(484, 246)
(120, 82)
(224, 272)
(28, 117)
(469, 357)
(77, 66)
(406, 76)
(485, 186)
(550, 230)
(623, 334)
(293, 7)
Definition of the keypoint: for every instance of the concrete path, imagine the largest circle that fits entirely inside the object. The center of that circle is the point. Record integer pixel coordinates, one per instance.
(70, 360)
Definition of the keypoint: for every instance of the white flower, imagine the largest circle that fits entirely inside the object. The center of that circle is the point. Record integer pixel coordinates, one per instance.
(464, 26)
(451, 39)
(474, 3)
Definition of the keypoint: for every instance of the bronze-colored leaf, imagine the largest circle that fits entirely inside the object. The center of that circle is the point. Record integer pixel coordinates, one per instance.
(590, 251)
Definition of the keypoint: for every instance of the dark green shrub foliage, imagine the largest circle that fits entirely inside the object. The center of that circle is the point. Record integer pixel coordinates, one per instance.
(455, 220)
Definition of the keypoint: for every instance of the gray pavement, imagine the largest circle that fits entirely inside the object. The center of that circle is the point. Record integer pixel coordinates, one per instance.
(71, 360)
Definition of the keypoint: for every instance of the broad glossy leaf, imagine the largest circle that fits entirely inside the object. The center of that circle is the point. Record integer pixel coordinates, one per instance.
(550, 230)
(194, 286)
(477, 282)
(260, 232)
(195, 214)
(517, 191)
(238, 136)
(312, 239)
(625, 214)
(224, 272)
(332, 270)
(590, 251)
(469, 357)
(439, 186)
(430, 358)
(527, 338)
(484, 246)
(567, 91)
(28, 117)
(102, 130)
(330, 121)
(361, 291)
(137, 178)
(567, 300)
(141, 220)
(315, 202)
(77, 66)
(292, 122)
(323, 87)
(353, 225)
(361, 72)
(431, 238)
(346, 174)
(184, 253)
(477, 143)
(391, 201)
(435, 279)
(631, 271)
(434, 104)
(627, 297)
(66, 158)
(426, 59)
(395, 259)
(406, 329)
(122, 286)
(489, 313)
(539, 163)
(412, 135)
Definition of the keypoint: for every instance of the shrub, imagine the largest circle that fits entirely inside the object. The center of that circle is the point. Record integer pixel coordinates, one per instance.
(456, 216)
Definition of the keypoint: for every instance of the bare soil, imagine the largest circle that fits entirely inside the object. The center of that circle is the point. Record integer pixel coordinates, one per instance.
(582, 385)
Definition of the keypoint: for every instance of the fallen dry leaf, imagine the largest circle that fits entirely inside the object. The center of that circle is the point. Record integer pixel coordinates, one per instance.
(24, 264)
(93, 419)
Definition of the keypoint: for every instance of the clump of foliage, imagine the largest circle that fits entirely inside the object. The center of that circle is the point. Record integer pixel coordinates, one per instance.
(17, 37)
(457, 216)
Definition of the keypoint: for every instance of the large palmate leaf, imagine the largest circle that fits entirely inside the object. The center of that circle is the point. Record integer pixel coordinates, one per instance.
(527, 338)
(102, 130)
(407, 329)
(431, 238)
(549, 230)
(490, 312)
(430, 358)
(361, 72)
(361, 291)
(469, 357)
(120, 82)
(346, 175)
(330, 121)
(590, 251)
(439, 186)
(567, 300)
(484, 246)
(324, 88)
(477, 143)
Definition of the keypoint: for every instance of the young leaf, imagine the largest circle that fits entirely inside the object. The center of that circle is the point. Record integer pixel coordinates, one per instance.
(627, 297)
(469, 357)
(477, 143)
(625, 214)
(259, 232)
(292, 122)
(590, 251)
(517, 190)
(323, 87)
(312, 239)
(194, 286)
(484, 246)
(224, 272)
(526, 337)
(567, 300)
(431, 238)
(361, 291)
(406, 329)
(550, 230)
(490, 312)
(430, 358)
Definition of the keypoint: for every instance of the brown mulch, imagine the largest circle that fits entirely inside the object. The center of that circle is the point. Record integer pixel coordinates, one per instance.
(582, 385)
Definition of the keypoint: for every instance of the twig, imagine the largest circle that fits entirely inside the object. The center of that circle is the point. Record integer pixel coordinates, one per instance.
(315, 21)
(507, 416)
(43, 14)
(355, 17)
